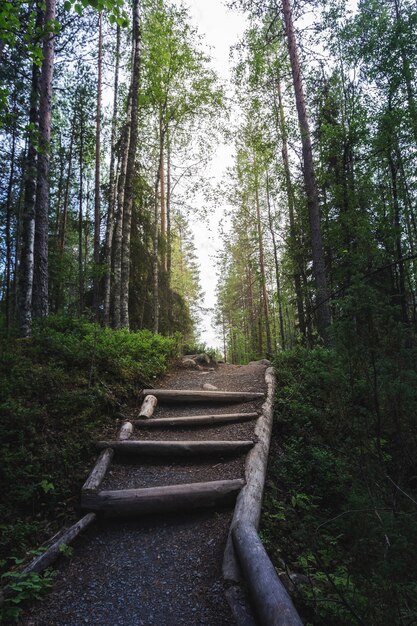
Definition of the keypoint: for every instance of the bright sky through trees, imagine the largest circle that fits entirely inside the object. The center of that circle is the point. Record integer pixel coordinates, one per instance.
(221, 29)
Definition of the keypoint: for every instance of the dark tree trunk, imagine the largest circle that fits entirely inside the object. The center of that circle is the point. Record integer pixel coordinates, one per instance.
(40, 275)
(130, 169)
(112, 188)
(322, 305)
(290, 199)
(96, 275)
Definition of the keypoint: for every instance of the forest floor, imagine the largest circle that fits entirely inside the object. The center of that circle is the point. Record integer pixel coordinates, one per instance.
(163, 570)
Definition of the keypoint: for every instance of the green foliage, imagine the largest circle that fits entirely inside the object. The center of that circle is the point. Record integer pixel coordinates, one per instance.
(341, 490)
(58, 391)
(25, 589)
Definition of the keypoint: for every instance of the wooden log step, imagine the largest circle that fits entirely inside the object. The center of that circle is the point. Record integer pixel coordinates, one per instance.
(194, 420)
(198, 395)
(162, 499)
(177, 448)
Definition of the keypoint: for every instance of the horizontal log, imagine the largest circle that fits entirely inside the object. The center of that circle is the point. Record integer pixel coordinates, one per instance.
(198, 395)
(177, 448)
(162, 499)
(273, 604)
(195, 420)
(99, 470)
(148, 406)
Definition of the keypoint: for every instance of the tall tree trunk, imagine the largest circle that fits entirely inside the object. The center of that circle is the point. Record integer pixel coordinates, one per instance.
(64, 216)
(155, 251)
(60, 186)
(322, 306)
(263, 273)
(40, 274)
(112, 188)
(9, 198)
(28, 218)
(96, 275)
(162, 197)
(80, 223)
(278, 282)
(118, 229)
(398, 244)
(168, 233)
(291, 214)
(130, 169)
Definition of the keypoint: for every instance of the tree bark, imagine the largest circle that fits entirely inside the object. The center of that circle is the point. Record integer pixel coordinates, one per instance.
(163, 499)
(263, 273)
(290, 200)
(112, 188)
(80, 222)
(96, 276)
(130, 168)
(322, 306)
(277, 277)
(40, 274)
(9, 226)
(195, 395)
(28, 218)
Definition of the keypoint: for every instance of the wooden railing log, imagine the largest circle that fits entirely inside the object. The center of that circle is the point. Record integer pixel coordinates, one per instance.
(273, 604)
(249, 503)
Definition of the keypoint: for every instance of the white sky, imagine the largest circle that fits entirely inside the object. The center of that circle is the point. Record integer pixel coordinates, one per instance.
(221, 29)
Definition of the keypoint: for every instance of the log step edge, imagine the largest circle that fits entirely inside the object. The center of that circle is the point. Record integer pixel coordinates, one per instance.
(193, 420)
(179, 448)
(169, 498)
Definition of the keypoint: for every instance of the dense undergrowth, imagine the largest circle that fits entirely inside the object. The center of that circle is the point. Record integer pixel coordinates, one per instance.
(58, 391)
(341, 497)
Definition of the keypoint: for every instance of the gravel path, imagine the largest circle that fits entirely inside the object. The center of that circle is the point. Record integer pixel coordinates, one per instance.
(161, 570)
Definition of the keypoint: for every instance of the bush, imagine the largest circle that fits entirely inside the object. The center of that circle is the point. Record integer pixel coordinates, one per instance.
(333, 509)
(58, 392)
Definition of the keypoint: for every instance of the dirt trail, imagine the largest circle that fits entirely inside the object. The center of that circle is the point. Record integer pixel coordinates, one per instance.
(162, 570)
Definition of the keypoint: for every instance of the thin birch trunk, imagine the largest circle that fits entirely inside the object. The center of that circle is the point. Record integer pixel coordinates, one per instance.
(118, 229)
(8, 229)
(28, 217)
(168, 233)
(277, 276)
(40, 274)
(156, 237)
(80, 223)
(262, 268)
